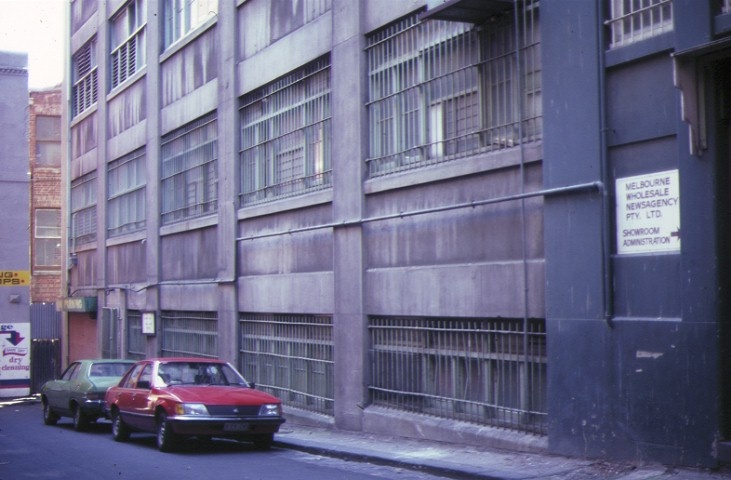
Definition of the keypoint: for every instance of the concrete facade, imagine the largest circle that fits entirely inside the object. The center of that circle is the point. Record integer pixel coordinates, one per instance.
(521, 230)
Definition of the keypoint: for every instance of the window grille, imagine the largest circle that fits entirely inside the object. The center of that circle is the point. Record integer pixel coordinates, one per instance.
(189, 171)
(184, 16)
(84, 77)
(635, 20)
(128, 41)
(725, 6)
(126, 190)
(189, 334)
(484, 371)
(83, 209)
(47, 242)
(285, 136)
(135, 339)
(441, 90)
(290, 356)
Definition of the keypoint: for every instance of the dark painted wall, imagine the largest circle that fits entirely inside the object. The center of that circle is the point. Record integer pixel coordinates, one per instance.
(632, 339)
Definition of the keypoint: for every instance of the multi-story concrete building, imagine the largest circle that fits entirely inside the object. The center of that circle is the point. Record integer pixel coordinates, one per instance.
(15, 273)
(457, 219)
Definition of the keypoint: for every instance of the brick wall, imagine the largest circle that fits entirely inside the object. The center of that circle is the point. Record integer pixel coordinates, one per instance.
(46, 191)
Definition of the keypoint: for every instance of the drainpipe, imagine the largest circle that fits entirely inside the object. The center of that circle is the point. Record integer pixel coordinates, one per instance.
(607, 280)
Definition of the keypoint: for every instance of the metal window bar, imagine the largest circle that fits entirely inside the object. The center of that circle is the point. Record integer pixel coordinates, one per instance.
(135, 339)
(189, 334)
(635, 20)
(725, 6)
(189, 176)
(285, 136)
(83, 208)
(483, 371)
(126, 179)
(315, 8)
(290, 356)
(441, 90)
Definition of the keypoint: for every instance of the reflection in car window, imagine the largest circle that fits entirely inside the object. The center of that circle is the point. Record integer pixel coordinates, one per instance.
(70, 372)
(198, 373)
(146, 376)
(131, 379)
(108, 369)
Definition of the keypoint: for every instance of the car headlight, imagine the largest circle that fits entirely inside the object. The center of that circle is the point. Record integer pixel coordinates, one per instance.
(191, 409)
(270, 410)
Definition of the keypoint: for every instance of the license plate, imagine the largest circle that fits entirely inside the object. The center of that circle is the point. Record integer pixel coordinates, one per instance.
(236, 427)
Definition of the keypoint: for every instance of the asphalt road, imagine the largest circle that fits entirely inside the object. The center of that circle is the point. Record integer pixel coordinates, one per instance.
(30, 449)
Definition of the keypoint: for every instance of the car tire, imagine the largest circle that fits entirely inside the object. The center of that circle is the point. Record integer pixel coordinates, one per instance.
(264, 441)
(49, 416)
(81, 421)
(120, 430)
(167, 441)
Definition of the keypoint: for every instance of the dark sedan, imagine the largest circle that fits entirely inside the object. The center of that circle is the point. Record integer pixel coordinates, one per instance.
(182, 397)
(79, 393)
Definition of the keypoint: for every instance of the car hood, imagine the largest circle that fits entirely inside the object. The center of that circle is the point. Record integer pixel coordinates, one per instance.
(220, 395)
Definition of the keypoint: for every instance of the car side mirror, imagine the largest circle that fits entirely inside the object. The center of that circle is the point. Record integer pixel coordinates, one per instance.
(143, 384)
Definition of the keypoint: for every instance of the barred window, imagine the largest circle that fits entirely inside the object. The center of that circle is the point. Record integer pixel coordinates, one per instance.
(725, 6)
(285, 136)
(128, 41)
(126, 179)
(189, 171)
(185, 334)
(135, 338)
(440, 90)
(635, 20)
(290, 356)
(83, 209)
(47, 241)
(84, 78)
(183, 16)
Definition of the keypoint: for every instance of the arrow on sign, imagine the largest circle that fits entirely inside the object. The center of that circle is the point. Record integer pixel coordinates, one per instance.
(676, 233)
(15, 337)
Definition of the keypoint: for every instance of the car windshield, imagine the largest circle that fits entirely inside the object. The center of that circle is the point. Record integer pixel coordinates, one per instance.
(108, 369)
(199, 373)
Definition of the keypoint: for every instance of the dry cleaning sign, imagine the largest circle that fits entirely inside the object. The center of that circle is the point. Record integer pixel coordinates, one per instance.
(648, 213)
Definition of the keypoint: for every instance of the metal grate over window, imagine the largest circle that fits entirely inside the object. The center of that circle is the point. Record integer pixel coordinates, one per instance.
(189, 170)
(484, 371)
(441, 90)
(126, 190)
(635, 20)
(725, 6)
(189, 334)
(285, 136)
(135, 339)
(84, 77)
(290, 356)
(83, 209)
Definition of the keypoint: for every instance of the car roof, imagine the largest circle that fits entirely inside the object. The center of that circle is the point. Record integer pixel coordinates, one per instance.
(104, 360)
(185, 359)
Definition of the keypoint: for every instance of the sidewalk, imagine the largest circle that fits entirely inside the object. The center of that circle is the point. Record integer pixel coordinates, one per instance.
(464, 462)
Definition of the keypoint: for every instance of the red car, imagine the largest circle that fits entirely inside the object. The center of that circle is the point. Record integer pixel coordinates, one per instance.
(181, 397)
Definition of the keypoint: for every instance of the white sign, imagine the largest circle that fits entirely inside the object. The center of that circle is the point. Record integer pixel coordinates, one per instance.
(648, 213)
(14, 359)
(148, 323)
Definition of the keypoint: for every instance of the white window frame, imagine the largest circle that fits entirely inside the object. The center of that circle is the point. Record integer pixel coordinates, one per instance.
(46, 233)
(183, 16)
(84, 76)
(635, 20)
(128, 41)
(126, 182)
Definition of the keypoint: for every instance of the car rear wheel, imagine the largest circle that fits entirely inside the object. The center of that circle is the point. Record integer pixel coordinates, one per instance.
(49, 416)
(167, 441)
(120, 430)
(81, 421)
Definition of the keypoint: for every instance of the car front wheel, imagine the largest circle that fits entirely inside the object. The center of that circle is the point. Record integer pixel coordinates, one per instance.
(120, 430)
(166, 439)
(49, 416)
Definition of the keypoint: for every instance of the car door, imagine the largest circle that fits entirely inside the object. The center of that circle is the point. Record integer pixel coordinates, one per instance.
(141, 404)
(58, 392)
(125, 395)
